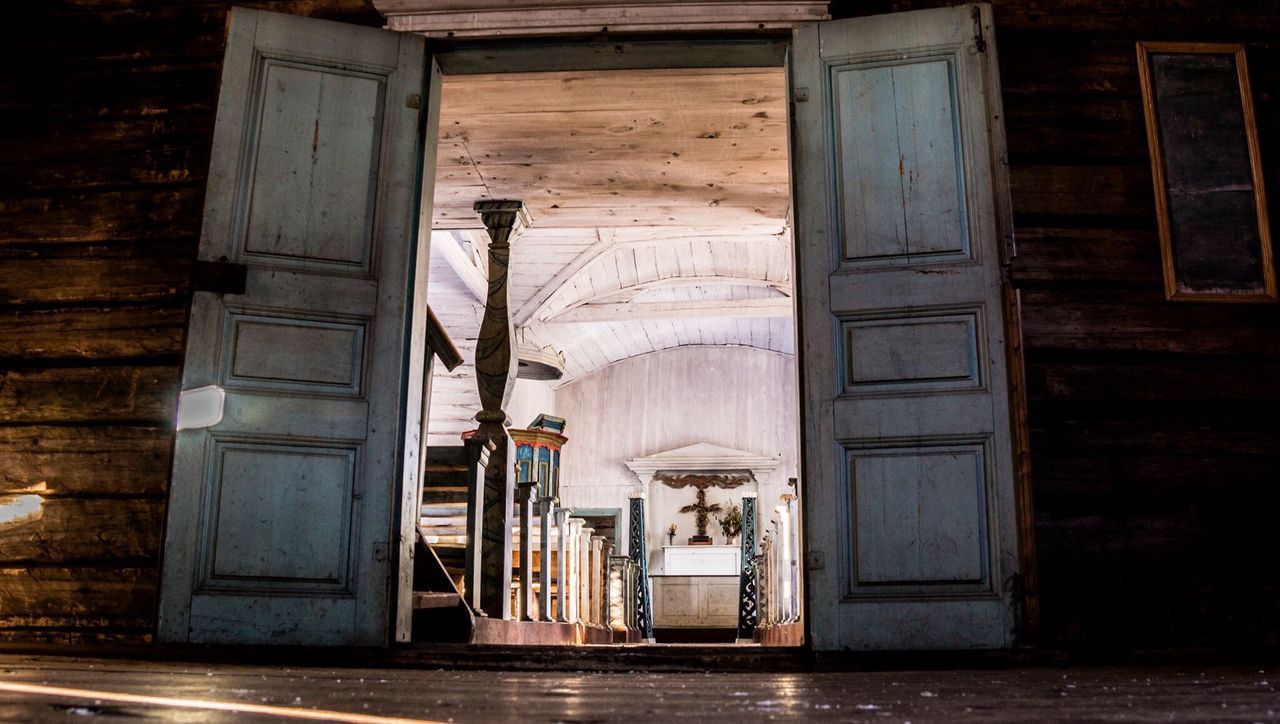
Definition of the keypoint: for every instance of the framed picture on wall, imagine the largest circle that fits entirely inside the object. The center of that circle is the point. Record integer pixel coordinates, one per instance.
(1211, 204)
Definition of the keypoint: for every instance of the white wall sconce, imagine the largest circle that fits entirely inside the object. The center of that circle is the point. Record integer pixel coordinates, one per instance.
(201, 407)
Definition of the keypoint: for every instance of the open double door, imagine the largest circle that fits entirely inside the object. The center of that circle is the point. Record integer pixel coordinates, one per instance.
(291, 520)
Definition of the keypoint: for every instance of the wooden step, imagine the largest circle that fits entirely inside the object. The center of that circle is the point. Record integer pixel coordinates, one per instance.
(445, 540)
(437, 468)
(449, 494)
(429, 530)
(443, 510)
(458, 487)
(435, 599)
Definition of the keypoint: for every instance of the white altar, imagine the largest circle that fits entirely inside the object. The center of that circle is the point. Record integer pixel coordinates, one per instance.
(698, 587)
(723, 560)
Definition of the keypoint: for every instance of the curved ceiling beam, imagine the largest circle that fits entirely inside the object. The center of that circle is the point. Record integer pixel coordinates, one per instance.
(676, 281)
(608, 240)
(464, 265)
(776, 307)
(530, 309)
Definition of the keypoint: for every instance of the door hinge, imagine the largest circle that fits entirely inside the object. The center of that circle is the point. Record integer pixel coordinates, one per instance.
(380, 551)
(413, 101)
(800, 95)
(219, 277)
(817, 560)
(979, 40)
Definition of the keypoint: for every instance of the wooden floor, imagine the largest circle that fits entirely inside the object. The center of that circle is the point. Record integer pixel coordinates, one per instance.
(254, 692)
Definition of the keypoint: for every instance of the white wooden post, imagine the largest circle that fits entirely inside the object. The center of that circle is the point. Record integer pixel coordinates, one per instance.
(545, 506)
(584, 581)
(783, 574)
(562, 564)
(597, 579)
(528, 610)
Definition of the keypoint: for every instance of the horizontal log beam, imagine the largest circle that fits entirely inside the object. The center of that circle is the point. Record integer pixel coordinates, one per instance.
(100, 333)
(78, 597)
(89, 394)
(64, 530)
(85, 460)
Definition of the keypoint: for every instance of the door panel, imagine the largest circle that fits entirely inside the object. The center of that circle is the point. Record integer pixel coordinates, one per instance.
(281, 522)
(908, 453)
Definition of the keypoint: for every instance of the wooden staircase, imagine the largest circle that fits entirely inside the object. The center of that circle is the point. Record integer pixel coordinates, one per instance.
(443, 516)
(440, 614)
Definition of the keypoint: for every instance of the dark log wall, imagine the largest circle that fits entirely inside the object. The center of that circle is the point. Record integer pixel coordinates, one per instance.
(1155, 437)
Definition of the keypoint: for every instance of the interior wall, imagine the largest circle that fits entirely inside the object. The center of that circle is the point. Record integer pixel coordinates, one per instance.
(735, 397)
(529, 399)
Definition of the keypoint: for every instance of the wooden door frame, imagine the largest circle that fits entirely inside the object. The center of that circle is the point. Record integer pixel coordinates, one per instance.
(770, 48)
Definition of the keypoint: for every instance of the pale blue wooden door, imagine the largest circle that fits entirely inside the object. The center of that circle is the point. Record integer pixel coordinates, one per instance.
(281, 520)
(900, 231)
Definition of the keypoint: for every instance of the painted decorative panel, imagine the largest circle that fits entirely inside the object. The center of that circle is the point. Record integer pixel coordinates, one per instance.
(919, 517)
(893, 353)
(313, 166)
(898, 162)
(266, 500)
(275, 352)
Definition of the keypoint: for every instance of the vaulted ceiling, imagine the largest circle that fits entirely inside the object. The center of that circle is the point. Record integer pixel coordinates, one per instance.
(659, 202)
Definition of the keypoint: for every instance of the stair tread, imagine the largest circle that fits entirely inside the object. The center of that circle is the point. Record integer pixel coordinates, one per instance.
(435, 599)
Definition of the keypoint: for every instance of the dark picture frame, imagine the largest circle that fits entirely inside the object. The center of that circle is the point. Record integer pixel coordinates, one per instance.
(1211, 206)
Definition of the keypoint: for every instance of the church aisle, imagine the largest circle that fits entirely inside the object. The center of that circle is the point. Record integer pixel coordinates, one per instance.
(242, 692)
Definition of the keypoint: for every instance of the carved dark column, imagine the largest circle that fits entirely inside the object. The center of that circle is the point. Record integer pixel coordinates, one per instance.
(638, 549)
(747, 611)
(496, 366)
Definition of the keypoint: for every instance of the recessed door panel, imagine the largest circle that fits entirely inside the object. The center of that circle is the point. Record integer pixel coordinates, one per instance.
(897, 148)
(914, 352)
(920, 519)
(281, 515)
(315, 164)
(284, 353)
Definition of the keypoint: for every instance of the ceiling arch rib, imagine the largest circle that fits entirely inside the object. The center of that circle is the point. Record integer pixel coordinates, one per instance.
(640, 243)
(621, 304)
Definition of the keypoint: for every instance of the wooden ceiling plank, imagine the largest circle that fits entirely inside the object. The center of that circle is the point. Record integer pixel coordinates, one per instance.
(472, 277)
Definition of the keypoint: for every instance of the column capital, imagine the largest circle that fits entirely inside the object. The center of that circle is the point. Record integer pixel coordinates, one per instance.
(503, 218)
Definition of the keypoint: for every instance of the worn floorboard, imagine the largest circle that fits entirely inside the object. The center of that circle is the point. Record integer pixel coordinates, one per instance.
(1149, 693)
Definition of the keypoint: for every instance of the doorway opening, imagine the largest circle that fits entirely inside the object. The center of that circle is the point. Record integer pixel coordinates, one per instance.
(655, 416)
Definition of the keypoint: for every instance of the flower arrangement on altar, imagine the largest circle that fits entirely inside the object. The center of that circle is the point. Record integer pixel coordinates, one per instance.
(671, 534)
(731, 523)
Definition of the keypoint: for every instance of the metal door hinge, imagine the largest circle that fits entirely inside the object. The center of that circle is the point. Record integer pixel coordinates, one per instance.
(219, 277)
(979, 40)
(817, 560)
(800, 95)
(413, 101)
(380, 551)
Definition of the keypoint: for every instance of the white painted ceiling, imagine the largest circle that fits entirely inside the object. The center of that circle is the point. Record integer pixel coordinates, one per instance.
(659, 202)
